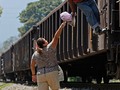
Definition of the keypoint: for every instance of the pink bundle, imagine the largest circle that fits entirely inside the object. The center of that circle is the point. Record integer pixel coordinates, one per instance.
(65, 16)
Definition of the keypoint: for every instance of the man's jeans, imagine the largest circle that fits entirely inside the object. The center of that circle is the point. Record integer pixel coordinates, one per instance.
(91, 12)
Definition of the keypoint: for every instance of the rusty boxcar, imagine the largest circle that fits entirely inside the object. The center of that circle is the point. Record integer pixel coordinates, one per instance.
(80, 53)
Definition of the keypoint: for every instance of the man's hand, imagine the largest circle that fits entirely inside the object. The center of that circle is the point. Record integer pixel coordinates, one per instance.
(73, 14)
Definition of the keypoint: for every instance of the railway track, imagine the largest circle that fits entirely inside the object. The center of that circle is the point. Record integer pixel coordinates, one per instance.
(90, 86)
(68, 86)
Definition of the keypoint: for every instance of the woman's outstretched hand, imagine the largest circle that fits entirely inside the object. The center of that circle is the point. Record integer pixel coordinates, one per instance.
(63, 24)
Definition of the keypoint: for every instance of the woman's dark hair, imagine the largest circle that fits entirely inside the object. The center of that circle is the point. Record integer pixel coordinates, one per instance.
(40, 42)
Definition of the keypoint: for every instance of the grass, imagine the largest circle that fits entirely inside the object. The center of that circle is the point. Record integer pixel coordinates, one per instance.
(3, 85)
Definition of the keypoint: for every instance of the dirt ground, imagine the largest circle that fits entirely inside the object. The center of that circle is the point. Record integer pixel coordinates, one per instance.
(23, 87)
(19, 87)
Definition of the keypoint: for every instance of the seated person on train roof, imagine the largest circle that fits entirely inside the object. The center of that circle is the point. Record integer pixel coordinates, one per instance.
(90, 10)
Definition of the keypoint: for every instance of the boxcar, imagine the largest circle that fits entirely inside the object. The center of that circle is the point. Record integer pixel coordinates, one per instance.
(80, 53)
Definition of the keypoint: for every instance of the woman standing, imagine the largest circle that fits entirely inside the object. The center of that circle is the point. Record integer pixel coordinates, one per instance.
(46, 61)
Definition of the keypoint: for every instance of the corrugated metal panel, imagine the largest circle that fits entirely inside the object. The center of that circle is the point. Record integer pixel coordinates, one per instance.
(0, 65)
(21, 52)
(7, 58)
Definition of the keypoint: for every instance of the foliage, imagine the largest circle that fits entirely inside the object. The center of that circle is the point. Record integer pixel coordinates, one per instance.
(0, 10)
(3, 85)
(35, 12)
(8, 43)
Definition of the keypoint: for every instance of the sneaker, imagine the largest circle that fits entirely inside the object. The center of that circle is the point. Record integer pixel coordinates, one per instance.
(104, 30)
(97, 31)
(73, 22)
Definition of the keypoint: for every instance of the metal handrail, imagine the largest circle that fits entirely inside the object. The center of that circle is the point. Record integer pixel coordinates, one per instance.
(118, 1)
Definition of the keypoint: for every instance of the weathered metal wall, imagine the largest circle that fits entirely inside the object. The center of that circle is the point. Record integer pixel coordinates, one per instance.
(22, 54)
(7, 58)
(115, 37)
(0, 64)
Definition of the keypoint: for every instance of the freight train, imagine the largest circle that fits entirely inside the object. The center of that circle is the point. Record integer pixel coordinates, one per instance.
(80, 53)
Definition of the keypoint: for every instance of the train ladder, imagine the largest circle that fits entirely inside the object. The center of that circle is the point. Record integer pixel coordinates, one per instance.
(117, 53)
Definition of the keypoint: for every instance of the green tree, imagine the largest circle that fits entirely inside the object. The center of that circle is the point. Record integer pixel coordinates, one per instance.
(8, 43)
(0, 11)
(36, 11)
